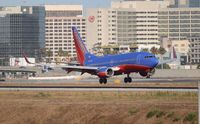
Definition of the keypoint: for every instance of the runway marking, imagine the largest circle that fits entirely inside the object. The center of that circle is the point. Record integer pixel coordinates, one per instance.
(117, 81)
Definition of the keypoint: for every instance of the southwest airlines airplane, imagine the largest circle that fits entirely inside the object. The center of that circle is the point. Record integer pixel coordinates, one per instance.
(107, 66)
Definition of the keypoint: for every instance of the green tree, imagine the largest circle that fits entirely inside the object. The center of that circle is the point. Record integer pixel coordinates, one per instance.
(162, 51)
(132, 50)
(107, 51)
(165, 66)
(154, 50)
(49, 54)
(60, 52)
(66, 54)
(115, 51)
(145, 50)
(198, 66)
(43, 52)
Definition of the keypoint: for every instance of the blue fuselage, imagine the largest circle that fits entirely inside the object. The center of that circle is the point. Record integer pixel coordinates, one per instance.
(135, 58)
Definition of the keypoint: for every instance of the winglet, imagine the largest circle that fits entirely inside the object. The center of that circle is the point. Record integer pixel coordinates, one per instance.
(173, 54)
(27, 59)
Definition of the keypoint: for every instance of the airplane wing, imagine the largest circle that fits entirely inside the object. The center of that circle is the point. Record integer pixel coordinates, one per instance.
(82, 69)
(16, 70)
(41, 65)
(87, 69)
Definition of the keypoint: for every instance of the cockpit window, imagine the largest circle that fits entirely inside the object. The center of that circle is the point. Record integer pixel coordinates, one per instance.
(149, 57)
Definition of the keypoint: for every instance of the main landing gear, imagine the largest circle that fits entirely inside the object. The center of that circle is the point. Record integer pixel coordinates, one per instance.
(102, 80)
(127, 79)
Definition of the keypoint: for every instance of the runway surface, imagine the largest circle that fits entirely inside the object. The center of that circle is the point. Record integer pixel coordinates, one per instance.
(96, 88)
(92, 84)
(110, 80)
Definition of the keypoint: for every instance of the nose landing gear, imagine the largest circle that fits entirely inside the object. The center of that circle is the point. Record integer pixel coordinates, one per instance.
(127, 79)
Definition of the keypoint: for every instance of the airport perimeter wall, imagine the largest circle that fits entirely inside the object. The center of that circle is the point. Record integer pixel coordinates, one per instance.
(163, 73)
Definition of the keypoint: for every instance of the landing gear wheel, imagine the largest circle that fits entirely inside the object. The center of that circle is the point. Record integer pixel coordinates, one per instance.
(129, 79)
(102, 80)
(125, 80)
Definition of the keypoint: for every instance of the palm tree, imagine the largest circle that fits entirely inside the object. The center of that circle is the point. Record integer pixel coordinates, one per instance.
(42, 53)
(67, 56)
(107, 51)
(154, 50)
(49, 54)
(60, 52)
(145, 50)
(132, 50)
(162, 51)
(66, 53)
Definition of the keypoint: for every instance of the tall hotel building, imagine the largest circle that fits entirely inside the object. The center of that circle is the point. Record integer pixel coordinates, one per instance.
(182, 24)
(194, 53)
(128, 22)
(59, 22)
(179, 23)
(143, 23)
(21, 30)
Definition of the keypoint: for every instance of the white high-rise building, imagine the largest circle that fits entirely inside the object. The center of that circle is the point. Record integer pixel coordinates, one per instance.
(59, 22)
(143, 23)
(179, 23)
(125, 23)
(110, 26)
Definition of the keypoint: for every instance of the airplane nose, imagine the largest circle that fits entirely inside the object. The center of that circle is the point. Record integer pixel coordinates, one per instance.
(155, 62)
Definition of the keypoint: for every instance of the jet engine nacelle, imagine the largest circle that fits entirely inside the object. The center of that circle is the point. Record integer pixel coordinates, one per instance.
(105, 72)
(147, 74)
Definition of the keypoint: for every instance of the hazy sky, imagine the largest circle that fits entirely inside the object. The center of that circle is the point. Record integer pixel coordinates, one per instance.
(86, 3)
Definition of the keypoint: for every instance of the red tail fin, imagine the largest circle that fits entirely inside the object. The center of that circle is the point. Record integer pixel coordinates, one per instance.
(80, 47)
(27, 59)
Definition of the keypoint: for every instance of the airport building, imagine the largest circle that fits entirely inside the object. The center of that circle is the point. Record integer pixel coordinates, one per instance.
(21, 30)
(194, 53)
(59, 22)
